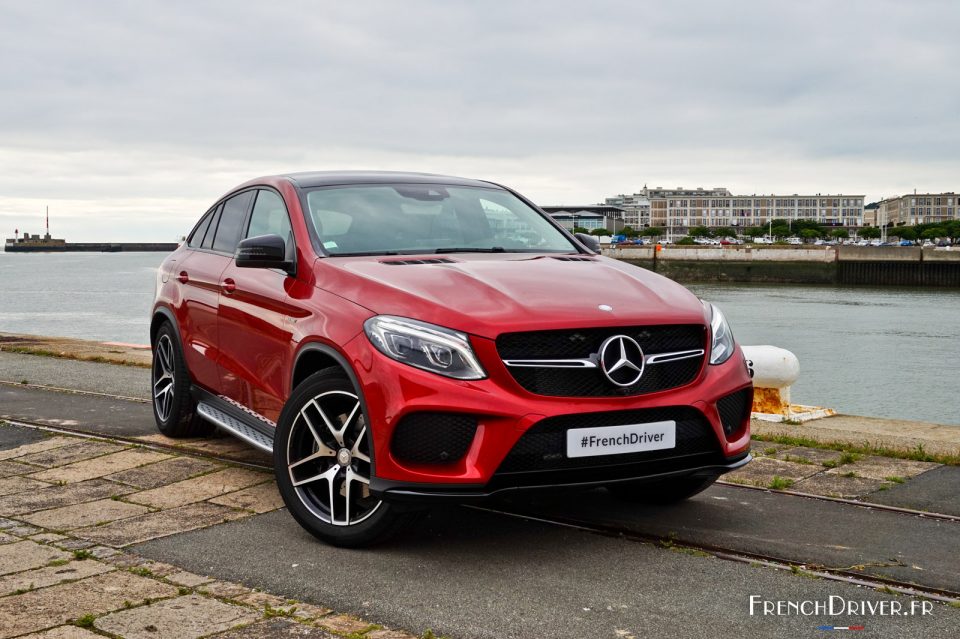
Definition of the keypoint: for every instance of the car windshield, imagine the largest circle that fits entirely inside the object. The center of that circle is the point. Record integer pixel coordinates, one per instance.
(428, 218)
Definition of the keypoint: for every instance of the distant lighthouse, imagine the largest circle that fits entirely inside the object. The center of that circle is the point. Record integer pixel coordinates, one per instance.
(47, 236)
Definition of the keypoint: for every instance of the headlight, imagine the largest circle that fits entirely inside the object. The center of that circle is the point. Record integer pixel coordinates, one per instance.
(722, 346)
(432, 348)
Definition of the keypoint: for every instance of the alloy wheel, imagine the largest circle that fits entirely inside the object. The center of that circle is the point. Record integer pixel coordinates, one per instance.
(163, 377)
(328, 459)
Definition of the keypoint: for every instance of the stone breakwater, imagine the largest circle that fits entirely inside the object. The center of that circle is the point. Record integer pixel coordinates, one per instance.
(884, 265)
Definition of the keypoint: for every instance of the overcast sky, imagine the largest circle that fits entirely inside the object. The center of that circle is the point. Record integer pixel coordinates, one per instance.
(129, 118)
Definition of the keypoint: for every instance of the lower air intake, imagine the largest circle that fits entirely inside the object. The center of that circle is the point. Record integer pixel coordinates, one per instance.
(433, 438)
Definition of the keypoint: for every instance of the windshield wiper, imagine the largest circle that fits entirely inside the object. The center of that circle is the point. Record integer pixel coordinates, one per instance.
(469, 249)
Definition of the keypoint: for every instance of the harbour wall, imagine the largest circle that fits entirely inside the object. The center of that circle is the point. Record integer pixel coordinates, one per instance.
(884, 265)
(94, 247)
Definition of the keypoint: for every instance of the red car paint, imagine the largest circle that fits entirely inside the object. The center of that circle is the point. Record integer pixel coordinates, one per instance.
(242, 330)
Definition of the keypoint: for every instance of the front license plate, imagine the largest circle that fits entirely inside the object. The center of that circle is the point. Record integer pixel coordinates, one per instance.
(616, 440)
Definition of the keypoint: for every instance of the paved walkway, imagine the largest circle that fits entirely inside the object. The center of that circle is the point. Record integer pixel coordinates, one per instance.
(68, 508)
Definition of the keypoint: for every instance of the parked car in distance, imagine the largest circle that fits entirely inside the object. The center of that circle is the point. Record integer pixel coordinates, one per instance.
(394, 342)
(906, 243)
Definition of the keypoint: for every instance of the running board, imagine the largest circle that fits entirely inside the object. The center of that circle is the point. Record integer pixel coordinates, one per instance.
(235, 427)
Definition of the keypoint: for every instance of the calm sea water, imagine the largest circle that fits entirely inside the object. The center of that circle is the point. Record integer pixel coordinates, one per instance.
(866, 351)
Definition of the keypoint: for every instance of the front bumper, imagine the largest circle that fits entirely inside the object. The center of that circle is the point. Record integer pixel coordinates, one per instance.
(505, 412)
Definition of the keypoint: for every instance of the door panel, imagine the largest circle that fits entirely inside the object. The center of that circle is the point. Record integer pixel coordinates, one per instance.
(199, 275)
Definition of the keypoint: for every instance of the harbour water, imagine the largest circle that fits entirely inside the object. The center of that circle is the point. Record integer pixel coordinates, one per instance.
(867, 351)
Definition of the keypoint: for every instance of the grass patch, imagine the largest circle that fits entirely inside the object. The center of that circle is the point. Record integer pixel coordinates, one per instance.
(269, 611)
(915, 454)
(771, 451)
(82, 554)
(850, 474)
(59, 562)
(86, 621)
(955, 603)
(780, 483)
(143, 572)
(895, 479)
(46, 352)
(798, 460)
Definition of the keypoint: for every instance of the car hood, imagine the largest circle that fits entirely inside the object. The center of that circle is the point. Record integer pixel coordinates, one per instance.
(490, 294)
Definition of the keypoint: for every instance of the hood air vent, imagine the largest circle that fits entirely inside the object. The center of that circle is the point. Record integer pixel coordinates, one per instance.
(429, 260)
(575, 259)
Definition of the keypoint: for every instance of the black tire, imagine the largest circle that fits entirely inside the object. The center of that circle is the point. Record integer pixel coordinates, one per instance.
(668, 491)
(331, 500)
(174, 409)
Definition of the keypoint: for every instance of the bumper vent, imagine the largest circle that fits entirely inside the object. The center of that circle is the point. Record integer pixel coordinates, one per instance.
(735, 410)
(433, 438)
(543, 447)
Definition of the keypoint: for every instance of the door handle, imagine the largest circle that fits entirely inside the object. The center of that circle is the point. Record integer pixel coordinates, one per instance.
(183, 278)
(228, 286)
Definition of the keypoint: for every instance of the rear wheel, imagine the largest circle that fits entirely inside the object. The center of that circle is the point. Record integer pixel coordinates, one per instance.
(323, 464)
(668, 491)
(173, 408)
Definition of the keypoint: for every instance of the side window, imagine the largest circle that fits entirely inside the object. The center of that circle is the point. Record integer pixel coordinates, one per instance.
(230, 227)
(214, 221)
(196, 238)
(269, 216)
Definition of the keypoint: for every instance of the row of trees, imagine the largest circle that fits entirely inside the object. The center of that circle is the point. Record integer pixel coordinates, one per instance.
(806, 229)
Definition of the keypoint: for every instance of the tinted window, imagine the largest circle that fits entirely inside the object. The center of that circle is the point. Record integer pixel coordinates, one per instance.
(196, 238)
(231, 223)
(269, 216)
(208, 238)
(424, 218)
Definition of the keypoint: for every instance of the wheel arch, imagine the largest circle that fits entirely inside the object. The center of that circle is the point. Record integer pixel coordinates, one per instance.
(163, 314)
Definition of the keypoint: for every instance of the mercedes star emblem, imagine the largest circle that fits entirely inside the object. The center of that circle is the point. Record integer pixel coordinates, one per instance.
(621, 360)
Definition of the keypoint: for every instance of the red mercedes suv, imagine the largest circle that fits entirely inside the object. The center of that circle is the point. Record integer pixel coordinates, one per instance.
(399, 338)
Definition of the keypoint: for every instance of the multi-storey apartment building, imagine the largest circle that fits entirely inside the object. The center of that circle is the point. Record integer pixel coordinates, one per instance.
(677, 210)
(636, 209)
(918, 208)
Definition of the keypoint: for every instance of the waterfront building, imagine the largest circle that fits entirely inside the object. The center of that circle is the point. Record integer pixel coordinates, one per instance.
(677, 210)
(591, 216)
(918, 208)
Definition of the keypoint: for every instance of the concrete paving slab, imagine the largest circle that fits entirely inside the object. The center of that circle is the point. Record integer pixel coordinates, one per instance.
(47, 537)
(277, 629)
(882, 467)
(86, 514)
(51, 575)
(258, 499)
(814, 455)
(226, 589)
(199, 488)
(760, 472)
(188, 579)
(187, 617)
(64, 632)
(77, 450)
(343, 624)
(164, 472)
(25, 554)
(158, 524)
(10, 468)
(36, 441)
(56, 496)
(7, 539)
(937, 490)
(14, 485)
(837, 485)
(100, 466)
(224, 446)
(56, 605)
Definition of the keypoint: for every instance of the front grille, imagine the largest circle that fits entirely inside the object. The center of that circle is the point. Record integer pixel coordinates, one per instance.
(735, 409)
(543, 447)
(591, 382)
(433, 438)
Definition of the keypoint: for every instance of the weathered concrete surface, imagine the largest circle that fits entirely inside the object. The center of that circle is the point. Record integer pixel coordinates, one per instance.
(158, 524)
(181, 618)
(82, 515)
(51, 575)
(200, 488)
(77, 349)
(892, 433)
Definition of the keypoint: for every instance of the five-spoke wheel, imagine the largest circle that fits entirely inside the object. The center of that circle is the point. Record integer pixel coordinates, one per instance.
(323, 459)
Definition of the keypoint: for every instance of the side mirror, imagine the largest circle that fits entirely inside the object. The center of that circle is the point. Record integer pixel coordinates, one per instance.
(263, 251)
(590, 241)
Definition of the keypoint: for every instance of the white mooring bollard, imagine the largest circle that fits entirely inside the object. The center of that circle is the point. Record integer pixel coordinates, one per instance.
(774, 371)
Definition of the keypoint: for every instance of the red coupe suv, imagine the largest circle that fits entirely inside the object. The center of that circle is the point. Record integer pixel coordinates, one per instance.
(399, 338)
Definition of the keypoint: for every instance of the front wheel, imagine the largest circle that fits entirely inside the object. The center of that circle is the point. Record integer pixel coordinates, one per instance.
(668, 491)
(323, 464)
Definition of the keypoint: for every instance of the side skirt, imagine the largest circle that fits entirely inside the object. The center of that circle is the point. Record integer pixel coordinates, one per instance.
(241, 424)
